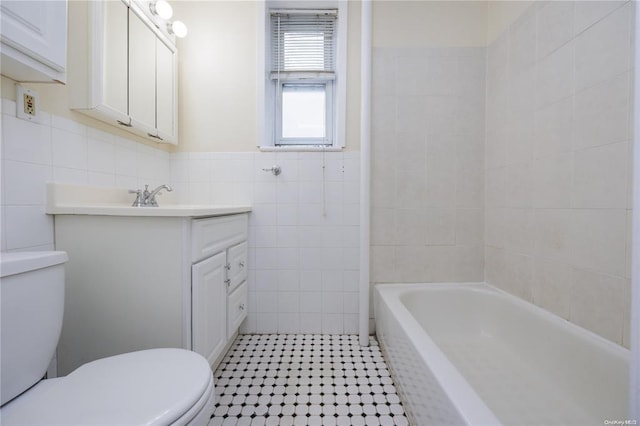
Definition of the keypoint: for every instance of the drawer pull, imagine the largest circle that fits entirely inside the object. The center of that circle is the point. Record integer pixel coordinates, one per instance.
(155, 136)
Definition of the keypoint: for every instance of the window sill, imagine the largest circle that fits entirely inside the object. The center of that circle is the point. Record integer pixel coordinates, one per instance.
(300, 148)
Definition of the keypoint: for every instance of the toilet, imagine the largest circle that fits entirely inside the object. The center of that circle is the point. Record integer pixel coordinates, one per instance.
(149, 387)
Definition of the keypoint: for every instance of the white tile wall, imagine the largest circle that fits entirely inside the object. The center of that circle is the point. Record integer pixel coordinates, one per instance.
(428, 164)
(60, 150)
(557, 192)
(528, 187)
(304, 232)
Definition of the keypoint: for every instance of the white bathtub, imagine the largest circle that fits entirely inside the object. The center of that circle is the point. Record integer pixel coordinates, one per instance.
(469, 354)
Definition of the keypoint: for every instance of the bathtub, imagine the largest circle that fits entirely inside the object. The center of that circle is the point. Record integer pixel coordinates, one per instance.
(469, 354)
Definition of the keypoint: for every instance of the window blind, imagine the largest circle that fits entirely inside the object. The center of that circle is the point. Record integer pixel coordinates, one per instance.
(303, 41)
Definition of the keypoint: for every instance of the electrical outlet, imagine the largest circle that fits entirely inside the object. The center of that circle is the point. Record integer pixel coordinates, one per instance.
(27, 104)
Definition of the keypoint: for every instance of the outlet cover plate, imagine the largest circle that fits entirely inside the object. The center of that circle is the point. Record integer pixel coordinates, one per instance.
(27, 104)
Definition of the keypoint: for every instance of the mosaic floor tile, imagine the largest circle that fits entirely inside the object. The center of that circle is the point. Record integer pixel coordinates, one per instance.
(294, 379)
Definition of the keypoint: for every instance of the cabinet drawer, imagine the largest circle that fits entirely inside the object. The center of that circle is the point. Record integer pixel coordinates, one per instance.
(237, 307)
(237, 265)
(213, 235)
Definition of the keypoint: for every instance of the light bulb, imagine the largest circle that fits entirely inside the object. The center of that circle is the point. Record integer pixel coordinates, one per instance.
(178, 28)
(162, 8)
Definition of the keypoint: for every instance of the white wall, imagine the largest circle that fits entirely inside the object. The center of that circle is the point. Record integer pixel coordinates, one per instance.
(61, 150)
(217, 76)
(303, 264)
(556, 205)
(558, 162)
(416, 24)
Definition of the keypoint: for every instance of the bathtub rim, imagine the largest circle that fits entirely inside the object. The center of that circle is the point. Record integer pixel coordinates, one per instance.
(465, 399)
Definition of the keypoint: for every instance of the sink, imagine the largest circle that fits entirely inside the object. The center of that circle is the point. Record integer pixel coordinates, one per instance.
(86, 200)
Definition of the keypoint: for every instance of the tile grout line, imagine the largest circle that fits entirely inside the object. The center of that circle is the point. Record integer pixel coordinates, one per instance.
(299, 379)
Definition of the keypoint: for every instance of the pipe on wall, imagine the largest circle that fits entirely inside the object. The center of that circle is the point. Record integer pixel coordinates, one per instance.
(634, 389)
(365, 168)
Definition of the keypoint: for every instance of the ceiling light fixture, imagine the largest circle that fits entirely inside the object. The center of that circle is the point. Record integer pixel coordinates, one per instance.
(161, 8)
(178, 28)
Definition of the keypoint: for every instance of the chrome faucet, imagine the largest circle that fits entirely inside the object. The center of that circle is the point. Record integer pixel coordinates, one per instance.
(147, 198)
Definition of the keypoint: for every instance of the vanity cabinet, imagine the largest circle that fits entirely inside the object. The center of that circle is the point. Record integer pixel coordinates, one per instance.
(219, 250)
(34, 40)
(145, 282)
(123, 68)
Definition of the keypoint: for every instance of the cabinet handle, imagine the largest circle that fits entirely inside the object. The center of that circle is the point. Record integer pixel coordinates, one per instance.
(122, 123)
(241, 264)
(227, 266)
(241, 307)
(228, 281)
(155, 136)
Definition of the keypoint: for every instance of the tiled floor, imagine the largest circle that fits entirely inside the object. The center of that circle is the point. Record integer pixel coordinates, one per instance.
(294, 379)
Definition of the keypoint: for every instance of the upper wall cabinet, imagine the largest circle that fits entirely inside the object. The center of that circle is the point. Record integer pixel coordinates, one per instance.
(34, 40)
(122, 68)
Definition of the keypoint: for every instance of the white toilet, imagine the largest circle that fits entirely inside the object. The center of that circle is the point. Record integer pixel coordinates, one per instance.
(151, 387)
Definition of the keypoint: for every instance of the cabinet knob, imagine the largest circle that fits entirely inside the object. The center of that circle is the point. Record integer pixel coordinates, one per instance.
(241, 307)
(228, 281)
(227, 266)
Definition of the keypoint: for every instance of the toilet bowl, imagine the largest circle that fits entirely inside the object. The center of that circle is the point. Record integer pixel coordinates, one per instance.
(150, 387)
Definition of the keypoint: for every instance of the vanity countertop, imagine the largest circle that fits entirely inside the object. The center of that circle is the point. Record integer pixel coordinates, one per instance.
(82, 200)
(177, 210)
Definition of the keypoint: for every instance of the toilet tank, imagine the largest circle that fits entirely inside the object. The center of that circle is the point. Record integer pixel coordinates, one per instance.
(31, 310)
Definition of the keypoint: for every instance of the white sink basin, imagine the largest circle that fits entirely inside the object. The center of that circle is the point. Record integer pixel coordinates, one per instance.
(84, 200)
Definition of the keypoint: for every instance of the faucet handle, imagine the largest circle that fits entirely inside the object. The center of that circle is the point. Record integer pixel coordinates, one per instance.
(138, 201)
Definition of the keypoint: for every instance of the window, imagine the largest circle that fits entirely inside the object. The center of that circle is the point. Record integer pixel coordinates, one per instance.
(304, 78)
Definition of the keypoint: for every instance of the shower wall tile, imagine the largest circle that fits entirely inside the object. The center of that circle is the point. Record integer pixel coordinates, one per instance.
(601, 113)
(597, 240)
(597, 303)
(557, 177)
(555, 20)
(555, 75)
(427, 220)
(602, 50)
(552, 181)
(61, 150)
(590, 189)
(518, 230)
(552, 286)
(553, 132)
(588, 13)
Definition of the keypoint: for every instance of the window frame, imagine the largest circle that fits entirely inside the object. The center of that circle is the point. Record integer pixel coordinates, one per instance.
(269, 92)
(280, 140)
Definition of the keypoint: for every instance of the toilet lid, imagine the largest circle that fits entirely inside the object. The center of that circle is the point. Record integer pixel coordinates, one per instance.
(154, 386)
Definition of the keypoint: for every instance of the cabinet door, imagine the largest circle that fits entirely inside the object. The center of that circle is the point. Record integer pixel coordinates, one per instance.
(166, 91)
(116, 57)
(34, 33)
(209, 307)
(142, 73)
